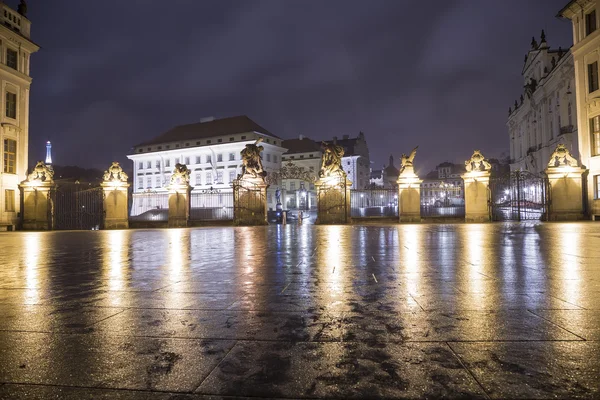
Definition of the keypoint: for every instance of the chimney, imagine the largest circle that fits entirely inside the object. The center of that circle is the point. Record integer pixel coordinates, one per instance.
(346, 137)
(301, 137)
(335, 140)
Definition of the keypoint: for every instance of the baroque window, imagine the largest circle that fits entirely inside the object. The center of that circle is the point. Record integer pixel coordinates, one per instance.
(10, 156)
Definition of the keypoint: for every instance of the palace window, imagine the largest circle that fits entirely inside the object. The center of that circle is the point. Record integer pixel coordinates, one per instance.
(590, 22)
(198, 160)
(595, 135)
(198, 179)
(148, 164)
(10, 156)
(187, 161)
(231, 176)
(140, 165)
(268, 157)
(167, 163)
(157, 181)
(11, 58)
(219, 157)
(231, 156)
(209, 178)
(11, 105)
(9, 200)
(176, 160)
(593, 76)
(208, 159)
(157, 163)
(597, 187)
(219, 176)
(274, 158)
(140, 182)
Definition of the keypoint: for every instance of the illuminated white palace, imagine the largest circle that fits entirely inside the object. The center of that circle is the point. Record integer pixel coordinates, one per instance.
(211, 151)
(586, 55)
(16, 48)
(545, 114)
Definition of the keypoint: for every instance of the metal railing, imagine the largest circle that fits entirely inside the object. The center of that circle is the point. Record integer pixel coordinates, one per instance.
(211, 204)
(150, 207)
(373, 203)
(444, 201)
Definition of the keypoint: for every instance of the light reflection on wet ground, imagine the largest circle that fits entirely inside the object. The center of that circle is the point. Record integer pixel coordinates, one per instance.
(397, 311)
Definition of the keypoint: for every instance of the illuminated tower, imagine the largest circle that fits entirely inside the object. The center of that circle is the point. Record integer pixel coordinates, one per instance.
(48, 153)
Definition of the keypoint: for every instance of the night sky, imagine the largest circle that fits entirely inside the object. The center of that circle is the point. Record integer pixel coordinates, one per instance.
(438, 74)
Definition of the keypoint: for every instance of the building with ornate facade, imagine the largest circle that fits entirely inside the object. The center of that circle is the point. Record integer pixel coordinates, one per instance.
(545, 114)
(299, 170)
(386, 177)
(211, 151)
(16, 48)
(586, 57)
(444, 182)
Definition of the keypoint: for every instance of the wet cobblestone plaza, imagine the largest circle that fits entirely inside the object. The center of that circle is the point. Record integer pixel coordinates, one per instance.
(398, 311)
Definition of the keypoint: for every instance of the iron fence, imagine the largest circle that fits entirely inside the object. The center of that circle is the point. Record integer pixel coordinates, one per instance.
(373, 203)
(150, 207)
(77, 206)
(443, 201)
(211, 204)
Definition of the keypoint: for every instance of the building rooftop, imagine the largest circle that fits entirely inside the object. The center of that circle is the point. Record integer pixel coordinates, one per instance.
(300, 145)
(208, 129)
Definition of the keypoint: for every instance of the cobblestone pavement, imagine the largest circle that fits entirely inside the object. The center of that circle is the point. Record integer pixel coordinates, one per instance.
(396, 311)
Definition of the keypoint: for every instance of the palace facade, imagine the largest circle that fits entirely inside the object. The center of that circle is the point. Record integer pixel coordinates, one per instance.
(16, 49)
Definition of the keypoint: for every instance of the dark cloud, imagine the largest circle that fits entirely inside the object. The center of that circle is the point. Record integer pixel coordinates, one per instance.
(438, 74)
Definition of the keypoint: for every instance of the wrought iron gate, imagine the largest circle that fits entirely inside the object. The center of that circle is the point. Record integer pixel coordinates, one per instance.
(332, 202)
(249, 203)
(77, 206)
(519, 196)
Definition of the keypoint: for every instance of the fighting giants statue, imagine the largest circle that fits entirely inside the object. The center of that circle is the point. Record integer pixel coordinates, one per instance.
(407, 161)
(41, 173)
(115, 173)
(477, 163)
(252, 161)
(331, 162)
(562, 157)
(181, 175)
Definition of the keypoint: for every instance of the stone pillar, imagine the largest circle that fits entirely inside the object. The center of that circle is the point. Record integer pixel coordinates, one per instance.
(116, 215)
(38, 210)
(566, 193)
(179, 204)
(115, 186)
(37, 193)
(250, 201)
(409, 196)
(333, 200)
(477, 195)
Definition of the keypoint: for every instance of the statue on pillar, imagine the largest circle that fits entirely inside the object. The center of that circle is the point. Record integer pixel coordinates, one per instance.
(331, 162)
(252, 161)
(562, 157)
(41, 173)
(407, 161)
(115, 173)
(477, 163)
(181, 175)
(22, 8)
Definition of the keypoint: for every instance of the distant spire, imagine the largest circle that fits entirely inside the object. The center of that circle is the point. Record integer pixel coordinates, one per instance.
(48, 153)
(391, 160)
(543, 36)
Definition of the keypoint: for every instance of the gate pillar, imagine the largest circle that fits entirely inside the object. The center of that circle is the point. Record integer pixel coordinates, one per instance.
(179, 197)
(37, 191)
(116, 204)
(250, 201)
(409, 198)
(409, 190)
(565, 178)
(477, 188)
